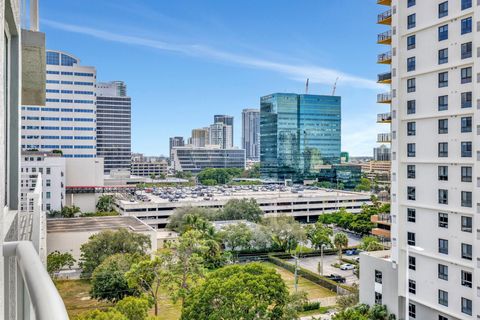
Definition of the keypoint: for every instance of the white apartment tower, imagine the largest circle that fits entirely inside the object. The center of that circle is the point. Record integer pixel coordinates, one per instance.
(68, 120)
(435, 255)
(251, 133)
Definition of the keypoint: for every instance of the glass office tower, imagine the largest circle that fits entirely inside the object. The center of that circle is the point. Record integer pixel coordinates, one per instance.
(299, 135)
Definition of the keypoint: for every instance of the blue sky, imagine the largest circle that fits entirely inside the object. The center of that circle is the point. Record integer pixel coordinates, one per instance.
(186, 60)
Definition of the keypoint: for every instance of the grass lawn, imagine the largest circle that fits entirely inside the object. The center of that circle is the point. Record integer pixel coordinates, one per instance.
(314, 291)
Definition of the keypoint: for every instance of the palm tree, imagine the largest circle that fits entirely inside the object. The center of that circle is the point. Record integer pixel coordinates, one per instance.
(340, 241)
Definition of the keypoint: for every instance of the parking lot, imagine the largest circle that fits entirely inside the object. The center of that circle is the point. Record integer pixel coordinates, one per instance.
(311, 264)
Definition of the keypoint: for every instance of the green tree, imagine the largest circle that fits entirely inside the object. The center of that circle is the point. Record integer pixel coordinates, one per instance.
(364, 185)
(247, 292)
(109, 242)
(371, 243)
(364, 312)
(241, 209)
(148, 276)
(179, 222)
(349, 300)
(341, 242)
(133, 308)
(57, 261)
(108, 280)
(219, 175)
(237, 236)
(106, 203)
(286, 233)
(66, 212)
(111, 314)
(319, 235)
(253, 172)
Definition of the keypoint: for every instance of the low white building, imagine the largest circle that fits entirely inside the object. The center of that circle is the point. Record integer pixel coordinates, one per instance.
(52, 168)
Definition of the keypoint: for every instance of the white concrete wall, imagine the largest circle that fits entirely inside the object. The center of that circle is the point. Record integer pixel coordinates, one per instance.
(85, 172)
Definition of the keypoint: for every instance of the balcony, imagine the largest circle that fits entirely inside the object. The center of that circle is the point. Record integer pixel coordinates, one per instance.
(384, 138)
(385, 17)
(384, 2)
(385, 78)
(385, 37)
(384, 117)
(379, 232)
(384, 97)
(385, 58)
(383, 218)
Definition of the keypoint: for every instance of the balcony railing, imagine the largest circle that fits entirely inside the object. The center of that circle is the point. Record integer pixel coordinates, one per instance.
(385, 77)
(385, 37)
(384, 117)
(385, 58)
(385, 17)
(384, 137)
(384, 97)
(383, 218)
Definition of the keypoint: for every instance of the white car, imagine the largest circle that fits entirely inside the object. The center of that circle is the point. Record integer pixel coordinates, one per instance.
(347, 266)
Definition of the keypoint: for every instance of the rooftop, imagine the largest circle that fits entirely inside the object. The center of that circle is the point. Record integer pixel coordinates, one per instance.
(96, 224)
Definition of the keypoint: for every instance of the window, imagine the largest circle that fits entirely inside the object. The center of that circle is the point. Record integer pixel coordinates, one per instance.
(442, 318)
(443, 32)
(442, 126)
(443, 79)
(466, 174)
(443, 246)
(466, 75)
(442, 103)
(443, 9)
(466, 99)
(378, 298)
(466, 199)
(466, 224)
(48, 170)
(48, 182)
(411, 64)
(412, 310)
(466, 25)
(411, 87)
(410, 149)
(442, 56)
(378, 276)
(411, 105)
(411, 128)
(48, 195)
(466, 279)
(443, 298)
(443, 149)
(442, 196)
(466, 124)
(466, 251)
(466, 149)
(412, 286)
(411, 3)
(467, 306)
(466, 4)
(411, 238)
(411, 193)
(412, 263)
(443, 272)
(412, 21)
(442, 173)
(411, 42)
(466, 50)
(443, 220)
(410, 171)
(411, 215)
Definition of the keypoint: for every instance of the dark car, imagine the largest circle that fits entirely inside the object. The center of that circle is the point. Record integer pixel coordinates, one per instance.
(337, 278)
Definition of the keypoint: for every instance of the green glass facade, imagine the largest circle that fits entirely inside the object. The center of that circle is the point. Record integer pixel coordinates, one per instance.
(299, 135)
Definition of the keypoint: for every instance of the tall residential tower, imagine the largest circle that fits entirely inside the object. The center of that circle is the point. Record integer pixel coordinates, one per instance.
(251, 133)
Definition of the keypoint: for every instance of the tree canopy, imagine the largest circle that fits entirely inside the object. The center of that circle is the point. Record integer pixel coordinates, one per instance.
(364, 312)
(241, 209)
(319, 235)
(105, 203)
(57, 261)
(286, 233)
(370, 243)
(213, 176)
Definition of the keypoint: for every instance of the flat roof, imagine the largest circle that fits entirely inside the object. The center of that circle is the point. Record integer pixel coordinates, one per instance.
(96, 224)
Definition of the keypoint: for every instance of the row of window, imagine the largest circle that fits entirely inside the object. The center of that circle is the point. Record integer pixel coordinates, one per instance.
(466, 196)
(465, 126)
(58, 137)
(465, 149)
(57, 147)
(443, 7)
(465, 77)
(58, 128)
(465, 102)
(466, 222)
(70, 91)
(466, 173)
(466, 249)
(58, 119)
(69, 73)
(69, 101)
(465, 24)
(58, 109)
(80, 83)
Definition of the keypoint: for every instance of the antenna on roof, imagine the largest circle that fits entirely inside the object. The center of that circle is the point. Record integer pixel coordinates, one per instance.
(306, 87)
(334, 87)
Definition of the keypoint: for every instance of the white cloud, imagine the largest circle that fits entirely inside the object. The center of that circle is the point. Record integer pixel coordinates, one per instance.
(316, 74)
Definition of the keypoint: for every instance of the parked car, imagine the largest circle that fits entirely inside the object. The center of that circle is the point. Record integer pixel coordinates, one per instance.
(352, 252)
(347, 266)
(337, 278)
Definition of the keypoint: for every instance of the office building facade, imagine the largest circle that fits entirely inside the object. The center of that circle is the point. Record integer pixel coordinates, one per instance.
(200, 137)
(193, 159)
(149, 169)
(299, 135)
(68, 121)
(225, 138)
(381, 153)
(175, 142)
(434, 82)
(251, 133)
(114, 125)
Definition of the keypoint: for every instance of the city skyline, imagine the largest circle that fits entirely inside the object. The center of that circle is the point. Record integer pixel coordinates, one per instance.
(221, 80)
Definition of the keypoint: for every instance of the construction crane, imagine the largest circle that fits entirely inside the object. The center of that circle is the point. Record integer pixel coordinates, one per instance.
(334, 87)
(306, 87)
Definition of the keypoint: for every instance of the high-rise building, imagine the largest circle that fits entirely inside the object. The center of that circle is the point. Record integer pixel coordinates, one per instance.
(251, 133)
(200, 137)
(299, 135)
(221, 135)
(381, 153)
(227, 130)
(114, 125)
(67, 121)
(175, 142)
(432, 270)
